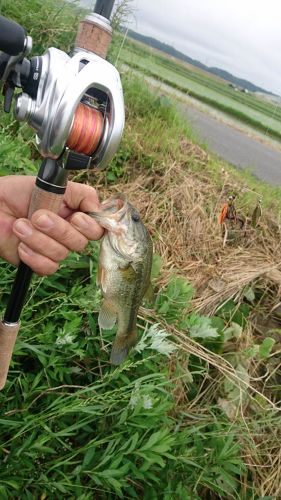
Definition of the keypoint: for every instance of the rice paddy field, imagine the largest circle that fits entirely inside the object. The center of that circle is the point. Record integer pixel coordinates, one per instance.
(247, 107)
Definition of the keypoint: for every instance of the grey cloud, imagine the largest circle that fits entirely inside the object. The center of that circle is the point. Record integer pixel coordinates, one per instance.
(242, 37)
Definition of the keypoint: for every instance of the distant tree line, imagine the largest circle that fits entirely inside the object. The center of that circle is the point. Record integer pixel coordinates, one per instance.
(238, 82)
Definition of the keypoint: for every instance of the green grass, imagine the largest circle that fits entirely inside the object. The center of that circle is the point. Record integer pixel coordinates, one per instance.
(244, 107)
(71, 425)
(50, 23)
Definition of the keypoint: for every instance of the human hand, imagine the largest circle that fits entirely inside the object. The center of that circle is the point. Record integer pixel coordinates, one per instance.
(46, 239)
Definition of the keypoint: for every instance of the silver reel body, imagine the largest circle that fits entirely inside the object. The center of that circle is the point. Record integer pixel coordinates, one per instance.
(64, 82)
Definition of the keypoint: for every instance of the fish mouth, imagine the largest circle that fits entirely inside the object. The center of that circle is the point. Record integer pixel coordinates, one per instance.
(111, 213)
(116, 205)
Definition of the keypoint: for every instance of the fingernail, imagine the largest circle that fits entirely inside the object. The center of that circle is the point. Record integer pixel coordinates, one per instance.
(44, 222)
(80, 221)
(25, 249)
(23, 228)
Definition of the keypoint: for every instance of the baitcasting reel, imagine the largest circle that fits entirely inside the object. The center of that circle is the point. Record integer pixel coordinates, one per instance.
(75, 104)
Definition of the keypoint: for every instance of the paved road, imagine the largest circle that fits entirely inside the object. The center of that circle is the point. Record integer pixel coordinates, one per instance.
(235, 146)
(227, 141)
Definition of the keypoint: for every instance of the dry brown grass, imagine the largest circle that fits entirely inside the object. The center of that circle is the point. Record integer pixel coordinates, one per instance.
(180, 206)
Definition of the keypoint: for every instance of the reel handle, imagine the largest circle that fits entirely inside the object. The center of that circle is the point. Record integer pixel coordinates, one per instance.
(48, 194)
(12, 37)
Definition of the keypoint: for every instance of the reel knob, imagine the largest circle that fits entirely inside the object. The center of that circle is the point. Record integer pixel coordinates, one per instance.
(24, 107)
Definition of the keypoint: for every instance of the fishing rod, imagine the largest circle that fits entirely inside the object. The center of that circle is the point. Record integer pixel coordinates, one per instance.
(75, 105)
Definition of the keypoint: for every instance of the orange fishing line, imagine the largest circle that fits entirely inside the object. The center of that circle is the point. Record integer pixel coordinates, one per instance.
(86, 130)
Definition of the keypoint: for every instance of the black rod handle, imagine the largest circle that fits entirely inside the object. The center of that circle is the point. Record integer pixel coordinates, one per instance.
(12, 37)
(18, 294)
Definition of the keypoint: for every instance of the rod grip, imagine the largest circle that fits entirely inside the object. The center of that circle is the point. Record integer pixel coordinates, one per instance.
(94, 36)
(8, 335)
(44, 199)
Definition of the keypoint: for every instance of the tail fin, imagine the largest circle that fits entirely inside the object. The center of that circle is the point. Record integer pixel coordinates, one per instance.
(121, 347)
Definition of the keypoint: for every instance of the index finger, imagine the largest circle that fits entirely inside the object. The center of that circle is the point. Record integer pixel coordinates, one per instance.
(81, 197)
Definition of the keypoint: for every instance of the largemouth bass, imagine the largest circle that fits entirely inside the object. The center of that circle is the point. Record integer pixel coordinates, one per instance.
(124, 271)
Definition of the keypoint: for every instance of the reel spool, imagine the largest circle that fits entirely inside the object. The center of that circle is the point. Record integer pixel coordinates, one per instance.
(86, 130)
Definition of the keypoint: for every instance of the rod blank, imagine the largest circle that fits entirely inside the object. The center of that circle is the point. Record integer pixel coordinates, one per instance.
(104, 8)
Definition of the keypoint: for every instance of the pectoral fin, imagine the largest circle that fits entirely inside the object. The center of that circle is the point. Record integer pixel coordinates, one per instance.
(107, 316)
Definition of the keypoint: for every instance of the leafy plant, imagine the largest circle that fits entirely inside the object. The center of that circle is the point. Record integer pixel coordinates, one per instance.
(174, 299)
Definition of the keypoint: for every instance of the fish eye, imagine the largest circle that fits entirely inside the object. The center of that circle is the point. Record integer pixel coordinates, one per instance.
(135, 217)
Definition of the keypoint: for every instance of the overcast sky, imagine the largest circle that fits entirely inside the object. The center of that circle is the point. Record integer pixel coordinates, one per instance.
(240, 36)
